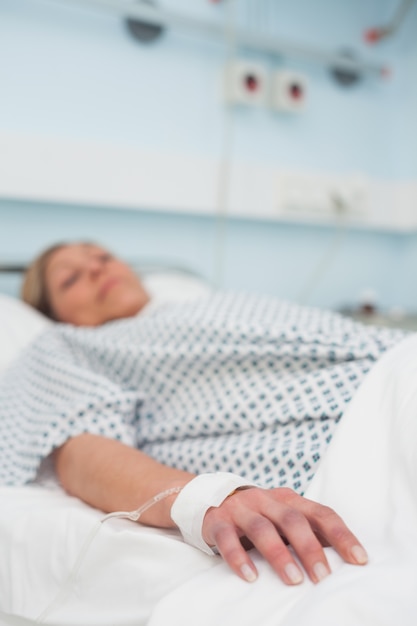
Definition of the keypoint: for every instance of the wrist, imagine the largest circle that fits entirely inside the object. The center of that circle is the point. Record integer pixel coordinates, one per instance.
(197, 497)
(159, 514)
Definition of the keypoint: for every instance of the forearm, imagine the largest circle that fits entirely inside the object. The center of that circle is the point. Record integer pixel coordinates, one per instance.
(114, 477)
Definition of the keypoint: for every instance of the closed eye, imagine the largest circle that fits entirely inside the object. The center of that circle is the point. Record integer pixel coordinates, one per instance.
(70, 280)
(101, 255)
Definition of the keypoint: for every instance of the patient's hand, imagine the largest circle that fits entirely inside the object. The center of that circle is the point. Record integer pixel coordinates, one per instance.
(271, 519)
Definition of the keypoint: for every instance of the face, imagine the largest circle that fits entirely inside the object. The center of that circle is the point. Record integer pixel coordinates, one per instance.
(87, 286)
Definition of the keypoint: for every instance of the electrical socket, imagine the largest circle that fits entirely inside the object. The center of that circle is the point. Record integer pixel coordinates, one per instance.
(246, 83)
(288, 91)
(321, 195)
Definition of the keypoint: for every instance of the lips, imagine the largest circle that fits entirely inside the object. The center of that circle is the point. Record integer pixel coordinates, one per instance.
(107, 286)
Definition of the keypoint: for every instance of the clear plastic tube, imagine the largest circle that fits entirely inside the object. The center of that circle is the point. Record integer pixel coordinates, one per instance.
(134, 516)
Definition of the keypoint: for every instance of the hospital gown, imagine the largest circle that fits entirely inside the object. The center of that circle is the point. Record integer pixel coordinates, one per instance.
(232, 382)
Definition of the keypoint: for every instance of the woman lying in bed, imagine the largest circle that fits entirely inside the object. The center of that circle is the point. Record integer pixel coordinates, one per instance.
(131, 399)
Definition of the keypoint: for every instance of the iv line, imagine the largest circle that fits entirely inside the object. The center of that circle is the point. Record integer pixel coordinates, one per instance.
(134, 516)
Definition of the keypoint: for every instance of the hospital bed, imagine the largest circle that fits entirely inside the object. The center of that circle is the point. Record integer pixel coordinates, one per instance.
(133, 575)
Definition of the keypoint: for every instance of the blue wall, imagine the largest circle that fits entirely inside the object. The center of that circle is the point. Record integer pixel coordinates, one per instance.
(71, 72)
(263, 257)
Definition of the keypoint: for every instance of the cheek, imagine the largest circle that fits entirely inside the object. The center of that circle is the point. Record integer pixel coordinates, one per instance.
(68, 305)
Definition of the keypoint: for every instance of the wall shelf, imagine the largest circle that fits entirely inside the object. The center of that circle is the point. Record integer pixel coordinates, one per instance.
(60, 171)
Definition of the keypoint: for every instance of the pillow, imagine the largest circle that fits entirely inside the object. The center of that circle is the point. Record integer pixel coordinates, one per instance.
(174, 285)
(19, 325)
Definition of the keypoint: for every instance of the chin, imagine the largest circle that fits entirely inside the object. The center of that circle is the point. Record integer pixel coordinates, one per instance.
(128, 307)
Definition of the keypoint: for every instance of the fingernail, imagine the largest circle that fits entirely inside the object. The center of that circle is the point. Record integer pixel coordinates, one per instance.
(248, 573)
(359, 555)
(320, 571)
(293, 573)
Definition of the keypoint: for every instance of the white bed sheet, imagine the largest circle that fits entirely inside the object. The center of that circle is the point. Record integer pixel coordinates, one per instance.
(135, 575)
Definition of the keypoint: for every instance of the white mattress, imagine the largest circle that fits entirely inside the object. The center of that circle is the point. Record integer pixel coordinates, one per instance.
(135, 575)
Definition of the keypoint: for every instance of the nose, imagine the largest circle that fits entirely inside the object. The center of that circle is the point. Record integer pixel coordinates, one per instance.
(95, 266)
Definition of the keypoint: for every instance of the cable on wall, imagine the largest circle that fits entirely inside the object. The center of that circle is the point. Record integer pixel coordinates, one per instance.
(326, 261)
(226, 157)
(376, 34)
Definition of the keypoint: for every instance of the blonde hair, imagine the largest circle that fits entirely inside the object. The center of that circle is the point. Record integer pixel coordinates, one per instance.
(34, 289)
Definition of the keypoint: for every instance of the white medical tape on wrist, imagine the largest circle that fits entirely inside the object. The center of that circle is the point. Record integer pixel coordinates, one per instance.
(199, 495)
